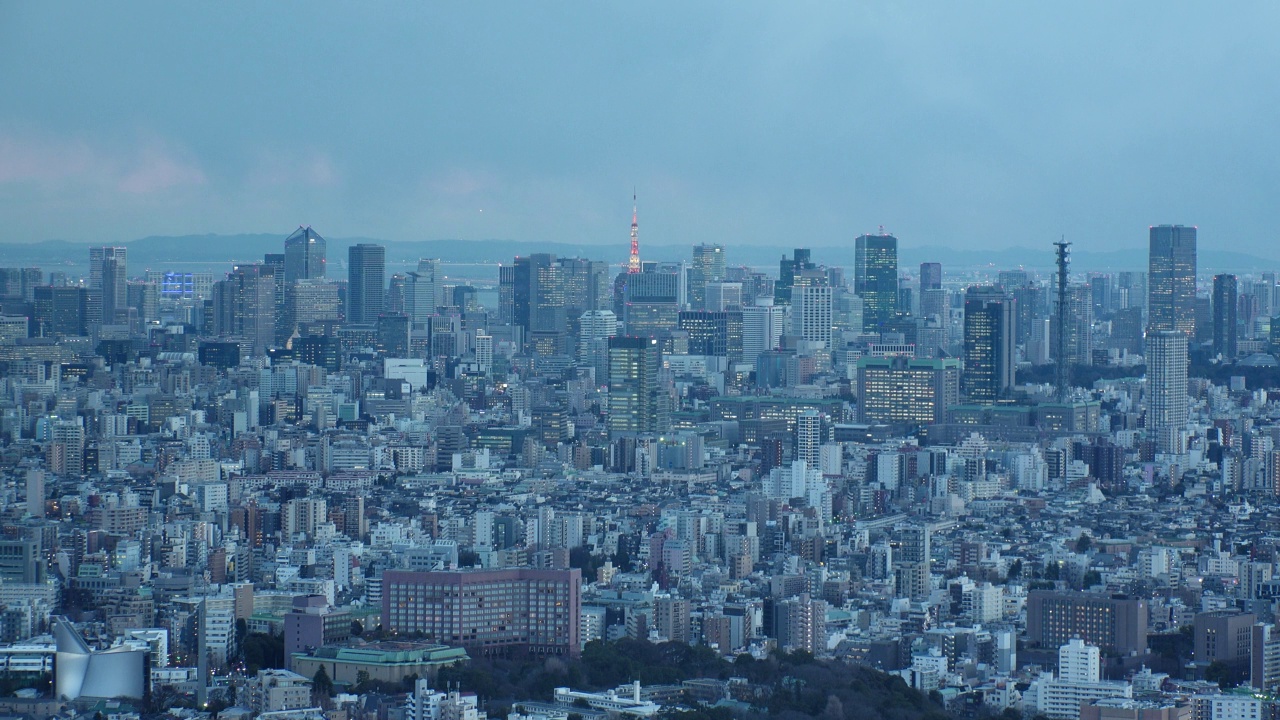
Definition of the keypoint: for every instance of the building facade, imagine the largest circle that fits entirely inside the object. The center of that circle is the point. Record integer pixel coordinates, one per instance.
(875, 278)
(487, 611)
(1172, 279)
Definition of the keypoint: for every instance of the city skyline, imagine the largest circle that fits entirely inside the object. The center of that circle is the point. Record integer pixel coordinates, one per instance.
(840, 362)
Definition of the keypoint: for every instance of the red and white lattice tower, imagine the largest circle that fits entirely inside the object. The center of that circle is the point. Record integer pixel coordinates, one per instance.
(633, 263)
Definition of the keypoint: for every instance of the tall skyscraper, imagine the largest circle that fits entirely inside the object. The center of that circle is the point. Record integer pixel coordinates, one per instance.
(634, 405)
(305, 255)
(422, 291)
(988, 344)
(1172, 279)
(109, 272)
(393, 334)
(708, 267)
(595, 327)
(761, 328)
(244, 306)
(1166, 388)
(67, 311)
(20, 283)
(811, 306)
(1077, 332)
(1011, 279)
(875, 278)
(1132, 289)
(1225, 328)
(651, 301)
(930, 276)
(586, 285)
(787, 269)
(723, 296)
(808, 437)
(312, 302)
(285, 321)
(532, 296)
(1031, 304)
(366, 282)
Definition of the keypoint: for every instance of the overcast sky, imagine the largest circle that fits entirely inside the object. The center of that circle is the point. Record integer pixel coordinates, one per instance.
(772, 123)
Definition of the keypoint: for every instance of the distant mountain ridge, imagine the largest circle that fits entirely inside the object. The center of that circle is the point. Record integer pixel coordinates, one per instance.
(159, 252)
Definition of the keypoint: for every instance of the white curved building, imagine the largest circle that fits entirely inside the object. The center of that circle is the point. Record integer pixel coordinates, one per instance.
(119, 671)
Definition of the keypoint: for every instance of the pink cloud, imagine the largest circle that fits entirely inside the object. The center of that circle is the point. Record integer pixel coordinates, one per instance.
(150, 168)
(34, 160)
(157, 170)
(275, 168)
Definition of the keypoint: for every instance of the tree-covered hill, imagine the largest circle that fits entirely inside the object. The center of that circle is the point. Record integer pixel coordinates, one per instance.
(791, 686)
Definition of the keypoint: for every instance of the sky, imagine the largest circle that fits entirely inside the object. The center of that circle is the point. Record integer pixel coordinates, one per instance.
(970, 124)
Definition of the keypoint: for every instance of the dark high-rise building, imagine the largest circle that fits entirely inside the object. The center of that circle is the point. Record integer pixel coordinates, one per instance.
(305, 255)
(713, 333)
(651, 302)
(1126, 330)
(68, 311)
(244, 306)
(109, 272)
(1225, 328)
(422, 290)
(318, 350)
(546, 294)
(1131, 287)
(366, 282)
(1031, 303)
(1079, 328)
(20, 283)
(634, 403)
(223, 355)
(285, 321)
(1172, 279)
(875, 278)
(393, 334)
(930, 277)
(799, 261)
(586, 285)
(532, 296)
(1100, 290)
(988, 344)
(513, 294)
(1011, 279)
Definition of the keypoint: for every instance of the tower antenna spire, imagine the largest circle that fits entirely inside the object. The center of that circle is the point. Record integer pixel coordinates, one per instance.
(1062, 370)
(633, 263)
